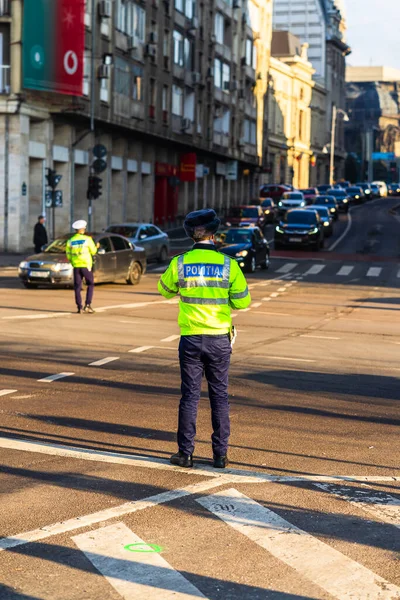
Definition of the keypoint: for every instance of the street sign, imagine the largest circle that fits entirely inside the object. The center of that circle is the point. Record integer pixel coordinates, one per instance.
(383, 156)
(57, 195)
(24, 189)
(99, 165)
(99, 151)
(232, 170)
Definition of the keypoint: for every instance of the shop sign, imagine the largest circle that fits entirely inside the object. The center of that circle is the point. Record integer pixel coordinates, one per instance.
(188, 167)
(232, 170)
(220, 168)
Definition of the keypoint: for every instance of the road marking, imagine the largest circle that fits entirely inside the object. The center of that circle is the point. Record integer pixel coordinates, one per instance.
(320, 337)
(374, 271)
(51, 378)
(6, 392)
(287, 268)
(261, 312)
(266, 299)
(307, 360)
(282, 289)
(41, 316)
(103, 361)
(256, 305)
(171, 338)
(345, 232)
(346, 270)
(134, 575)
(107, 514)
(141, 349)
(315, 269)
(274, 295)
(245, 310)
(233, 315)
(374, 502)
(314, 560)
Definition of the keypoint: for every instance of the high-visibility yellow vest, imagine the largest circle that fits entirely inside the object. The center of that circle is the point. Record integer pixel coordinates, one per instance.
(80, 250)
(209, 285)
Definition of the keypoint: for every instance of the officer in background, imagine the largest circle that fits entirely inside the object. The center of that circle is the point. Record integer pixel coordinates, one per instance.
(40, 234)
(80, 251)
(209, 284)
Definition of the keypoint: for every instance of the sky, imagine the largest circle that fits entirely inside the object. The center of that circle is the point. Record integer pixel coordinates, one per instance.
(373, 28)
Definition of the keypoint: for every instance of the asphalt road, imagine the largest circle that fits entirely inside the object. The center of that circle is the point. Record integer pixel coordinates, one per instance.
(310, 508)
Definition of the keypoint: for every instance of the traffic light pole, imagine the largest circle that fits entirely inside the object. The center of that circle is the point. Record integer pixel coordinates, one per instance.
(92, 103)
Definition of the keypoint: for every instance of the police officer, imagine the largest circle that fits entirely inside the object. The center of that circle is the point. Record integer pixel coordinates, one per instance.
(209, 284)
(80, 251)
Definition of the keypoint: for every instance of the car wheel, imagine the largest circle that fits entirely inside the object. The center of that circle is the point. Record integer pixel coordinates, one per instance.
(30, 286)
(265, 265)
(134, 275)
(251, 267)
(163, 255)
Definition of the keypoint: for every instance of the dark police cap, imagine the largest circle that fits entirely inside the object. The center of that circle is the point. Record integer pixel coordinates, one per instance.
(201, 222)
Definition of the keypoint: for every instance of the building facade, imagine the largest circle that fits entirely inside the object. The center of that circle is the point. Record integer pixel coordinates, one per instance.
(179, 86)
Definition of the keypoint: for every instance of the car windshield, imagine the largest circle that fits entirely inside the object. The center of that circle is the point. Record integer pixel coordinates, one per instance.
(353, 189)
(249, 213)
(301, 216)
(292, 196)
(234, 236)
(58, 246)
(125, 230)
(338, 193)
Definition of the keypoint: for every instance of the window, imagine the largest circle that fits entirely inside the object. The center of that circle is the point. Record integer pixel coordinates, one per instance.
(153, 92)
(199, 117)
(122, 79)
(186, 7)
(105, 244)
(188, 109)
(249, 132)
(178, 48)
(222, 74)
(226, 76)
(166, 43)
(254, 59)
(188, 54)
(86, 74)
(131, 19)
(119, 243)
(105, 90)
(152, 231)
(222, 123)
(164, 98)
(219, 27)
(249, 46)
(177, 100)
(137, 83)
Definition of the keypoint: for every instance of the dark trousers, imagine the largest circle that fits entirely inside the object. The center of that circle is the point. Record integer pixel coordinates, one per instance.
(79, 275)
(209, 354)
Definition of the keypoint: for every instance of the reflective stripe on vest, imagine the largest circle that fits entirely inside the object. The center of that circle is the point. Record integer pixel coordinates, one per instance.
(200, 281)
(189, 300)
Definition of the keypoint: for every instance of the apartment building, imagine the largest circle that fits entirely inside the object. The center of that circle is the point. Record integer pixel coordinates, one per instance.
(177, 99)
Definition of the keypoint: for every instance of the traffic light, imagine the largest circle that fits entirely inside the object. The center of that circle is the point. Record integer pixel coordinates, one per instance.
(53, 179)
(94, 187)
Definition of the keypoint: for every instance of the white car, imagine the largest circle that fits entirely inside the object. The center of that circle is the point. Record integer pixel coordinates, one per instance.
(383, 188)
(291, 200)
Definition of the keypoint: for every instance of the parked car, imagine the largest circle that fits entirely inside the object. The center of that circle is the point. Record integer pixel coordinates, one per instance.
(310, 195)
(341, 198)
(325, 216)
(247, 245)
(274, 191)
(116, 259)
(382, 187)
(376, 190)
(301, 228)
(246, 215)
(149, 236)
(394, 189)
(331, 203)
(270, 210)
(291, 200)
(366, 188)
(355, 194)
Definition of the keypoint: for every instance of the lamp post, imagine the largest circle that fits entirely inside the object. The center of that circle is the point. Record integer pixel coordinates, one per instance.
(335, 112)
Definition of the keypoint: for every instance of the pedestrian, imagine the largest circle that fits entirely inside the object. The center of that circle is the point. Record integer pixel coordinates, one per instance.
(40, 234)
(80, 251)
(209, 284)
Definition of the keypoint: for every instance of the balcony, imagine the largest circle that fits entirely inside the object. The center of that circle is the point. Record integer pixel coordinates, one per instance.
(223, 51)
(5, 72)
(5, 8)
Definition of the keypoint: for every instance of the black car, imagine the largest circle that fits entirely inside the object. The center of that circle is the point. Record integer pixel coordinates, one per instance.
(355, 194)
(270, 209)
(325, 216)
(341, 198)
(331, 203)
(301, 228)
(246, 245)
(394, 189)
(323, 188)
(116, 259)
(366, 188)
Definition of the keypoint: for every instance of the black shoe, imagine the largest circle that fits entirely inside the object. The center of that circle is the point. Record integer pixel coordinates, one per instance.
(182, 460)
(79, 311)
(220, 462)
(88, 309)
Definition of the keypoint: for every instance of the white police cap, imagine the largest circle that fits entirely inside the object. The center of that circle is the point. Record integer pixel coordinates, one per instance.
(79, 225)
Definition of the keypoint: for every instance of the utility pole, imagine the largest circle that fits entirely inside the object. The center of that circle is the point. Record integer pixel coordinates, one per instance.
(92, 104)
(333, 134)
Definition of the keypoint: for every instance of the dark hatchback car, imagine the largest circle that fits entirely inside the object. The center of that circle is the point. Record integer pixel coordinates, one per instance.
(246, 215)
(394, 189)
(331, 203)
(325, 216)
(366, 188)
(270, 210)
(116, 259)
(355, 194)
(247, 246)
(300, 228)
(341, 198)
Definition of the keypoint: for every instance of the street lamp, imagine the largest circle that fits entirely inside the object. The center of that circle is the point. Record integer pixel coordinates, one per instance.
(335, 112)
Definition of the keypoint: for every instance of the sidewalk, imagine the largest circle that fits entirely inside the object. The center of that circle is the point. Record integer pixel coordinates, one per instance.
(10, 260)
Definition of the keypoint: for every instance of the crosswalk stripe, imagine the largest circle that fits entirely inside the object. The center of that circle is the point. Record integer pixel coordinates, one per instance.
(6, 392)
(103, 361)
(171, 338)
(56, 377)
(287, 267)
(315, 269)
(374, 271)
(346, 270)
(376, 503)
(133, 574)
(140, 349)
(314, 560)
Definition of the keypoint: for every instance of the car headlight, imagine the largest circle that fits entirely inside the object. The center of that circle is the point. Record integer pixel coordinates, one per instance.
(267, 211)
(326, 223)
(24, 265)
(242, 253)
(228, 224)
(367, 191)
(279, 229)
(313, 231)
(61, 267)
(333, 210)
(303, 204)
(345, 201)
(357, 197)
(280, 204)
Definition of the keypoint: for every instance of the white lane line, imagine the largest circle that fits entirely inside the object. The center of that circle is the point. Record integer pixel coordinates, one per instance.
(51, 378)
(307, 360)
(320, 337)
(256, 305)
(103, 361)
(374, 271)
(233, 315)
(315, 269)
(141, 349)
(245, 310)
(134, 575)
(314, 560)
(274, 295)
(41, 316)
(263, 312)
(345, 232)
(376, 503)
(171, 338)
(266, 299)
(346, 270)
(6, 392)
(282, 289)
(106, 514)
(287, 268)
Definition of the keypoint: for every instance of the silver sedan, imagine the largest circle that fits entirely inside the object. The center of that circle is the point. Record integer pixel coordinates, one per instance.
(148, 236)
